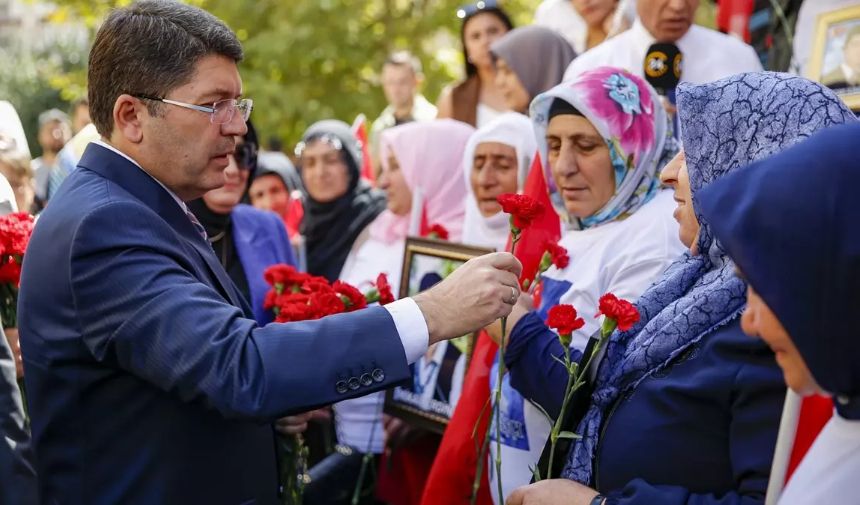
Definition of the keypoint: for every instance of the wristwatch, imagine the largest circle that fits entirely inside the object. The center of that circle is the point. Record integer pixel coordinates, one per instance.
(598, 500)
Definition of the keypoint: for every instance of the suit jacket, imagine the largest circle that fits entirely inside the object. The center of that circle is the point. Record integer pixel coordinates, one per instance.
(148, 381)
(261, 241)
(17, 473)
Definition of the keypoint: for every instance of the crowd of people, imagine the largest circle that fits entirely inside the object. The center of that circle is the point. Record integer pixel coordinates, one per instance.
(717, 205)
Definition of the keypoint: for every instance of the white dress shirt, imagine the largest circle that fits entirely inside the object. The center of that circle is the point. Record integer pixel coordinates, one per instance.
(708, 55)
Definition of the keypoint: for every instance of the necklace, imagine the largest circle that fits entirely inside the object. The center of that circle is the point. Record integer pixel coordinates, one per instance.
(216, 238)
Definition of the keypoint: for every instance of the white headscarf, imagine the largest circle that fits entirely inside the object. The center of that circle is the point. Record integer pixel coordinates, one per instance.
(511, 129)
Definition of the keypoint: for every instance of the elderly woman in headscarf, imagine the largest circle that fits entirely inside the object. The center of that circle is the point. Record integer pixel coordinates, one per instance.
(423, 158)
(603, 138)
(802, 288)
(497, 159)
(529, 61)
(340, 205)
(685, 407)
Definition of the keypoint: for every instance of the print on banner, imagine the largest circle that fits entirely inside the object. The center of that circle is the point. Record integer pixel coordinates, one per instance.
(512, 412)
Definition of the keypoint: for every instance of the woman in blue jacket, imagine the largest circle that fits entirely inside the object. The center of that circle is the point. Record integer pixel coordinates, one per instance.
(685, 407)
(245, 240)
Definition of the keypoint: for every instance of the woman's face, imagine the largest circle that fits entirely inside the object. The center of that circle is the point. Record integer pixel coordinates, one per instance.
(480, 31)
(324, 171)
(759, 321)
(515, 94)
(581, 168)
(494, 172)
(392, 181)
(268, 192)
(675, 174)
(223, 199)
(595, 12)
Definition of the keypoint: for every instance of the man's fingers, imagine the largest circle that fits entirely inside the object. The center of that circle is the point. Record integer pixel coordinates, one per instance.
(505, 261)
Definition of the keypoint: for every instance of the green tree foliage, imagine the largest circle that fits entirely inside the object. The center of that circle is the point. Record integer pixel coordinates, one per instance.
(49, 77)
(307, 60)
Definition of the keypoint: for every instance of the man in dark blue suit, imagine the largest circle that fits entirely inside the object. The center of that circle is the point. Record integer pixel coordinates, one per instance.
(148, 381)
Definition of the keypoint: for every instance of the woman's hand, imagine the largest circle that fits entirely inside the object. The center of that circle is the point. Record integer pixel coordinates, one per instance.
(525, 304)
(293, 425)
(552, 492)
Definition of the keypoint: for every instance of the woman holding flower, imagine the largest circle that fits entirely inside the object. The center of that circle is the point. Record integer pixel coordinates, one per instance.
(603, 138)
(685, 407)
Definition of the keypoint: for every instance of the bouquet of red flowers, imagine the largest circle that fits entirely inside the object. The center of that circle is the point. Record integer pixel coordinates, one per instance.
(298, 296)
(15, 231)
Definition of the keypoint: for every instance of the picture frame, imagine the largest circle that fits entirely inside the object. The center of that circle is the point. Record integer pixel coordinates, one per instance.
(836, 48)
(435, 387)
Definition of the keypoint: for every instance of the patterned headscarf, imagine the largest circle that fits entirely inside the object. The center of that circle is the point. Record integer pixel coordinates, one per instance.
(725, 125)
(430, 154)
(628, 114)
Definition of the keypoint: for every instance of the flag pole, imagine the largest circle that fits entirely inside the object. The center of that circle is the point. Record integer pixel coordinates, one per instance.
(784, 446)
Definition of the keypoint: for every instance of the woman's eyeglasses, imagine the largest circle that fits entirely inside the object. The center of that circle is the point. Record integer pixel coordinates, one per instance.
(471, 9)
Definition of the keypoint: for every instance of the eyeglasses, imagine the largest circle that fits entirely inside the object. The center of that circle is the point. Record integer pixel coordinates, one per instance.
(221, 112)
(470, 9)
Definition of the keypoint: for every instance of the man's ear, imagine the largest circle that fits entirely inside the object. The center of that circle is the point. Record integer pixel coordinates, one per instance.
(129, 113)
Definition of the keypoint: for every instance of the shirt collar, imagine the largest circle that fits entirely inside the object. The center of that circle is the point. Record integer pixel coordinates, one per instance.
(169, 192)
(641, 37)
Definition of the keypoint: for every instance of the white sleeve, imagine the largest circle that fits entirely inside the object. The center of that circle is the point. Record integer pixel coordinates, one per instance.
(411, 327)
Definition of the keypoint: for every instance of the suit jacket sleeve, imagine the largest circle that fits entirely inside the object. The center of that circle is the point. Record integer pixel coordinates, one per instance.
(143, 308)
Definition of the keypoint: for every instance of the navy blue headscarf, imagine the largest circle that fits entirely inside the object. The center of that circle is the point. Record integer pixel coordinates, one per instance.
(790, 222)
(724, 125)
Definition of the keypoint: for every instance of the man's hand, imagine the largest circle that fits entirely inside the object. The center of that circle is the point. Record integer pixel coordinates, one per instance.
(525, 304)
(552, 492)
(293, 425)
(476, 294)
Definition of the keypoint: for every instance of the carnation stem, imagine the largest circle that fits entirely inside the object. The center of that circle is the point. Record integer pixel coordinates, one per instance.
(575, 380)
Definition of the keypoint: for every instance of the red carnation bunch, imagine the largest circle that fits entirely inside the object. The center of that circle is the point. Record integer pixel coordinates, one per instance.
(522, 208)
(438, 232)
(298, 296)
(15, 231)
(621, 312)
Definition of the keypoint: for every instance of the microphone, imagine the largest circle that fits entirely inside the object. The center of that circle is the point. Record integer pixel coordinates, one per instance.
(662, 68)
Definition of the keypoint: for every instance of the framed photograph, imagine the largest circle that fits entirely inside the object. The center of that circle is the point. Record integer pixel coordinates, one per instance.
(835, 59)
(437, 377)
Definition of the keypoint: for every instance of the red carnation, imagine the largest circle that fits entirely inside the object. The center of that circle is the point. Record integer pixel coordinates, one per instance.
(622, 312)
(554, 255)
(522, 208)
(384, 289)
(326, 303)
(284, 274)
(316, 285)
(438, 231)
(352, 298)
(563, 318)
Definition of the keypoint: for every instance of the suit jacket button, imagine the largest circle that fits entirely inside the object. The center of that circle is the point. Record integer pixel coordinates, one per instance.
(341, 387)
(353, 383)
(365, 379)
(378, 375)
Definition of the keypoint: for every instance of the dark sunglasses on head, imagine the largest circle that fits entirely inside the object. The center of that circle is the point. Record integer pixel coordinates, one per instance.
(469, 10)
(246, 156)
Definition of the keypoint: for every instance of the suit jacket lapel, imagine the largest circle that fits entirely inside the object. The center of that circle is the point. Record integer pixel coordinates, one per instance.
(142, 186)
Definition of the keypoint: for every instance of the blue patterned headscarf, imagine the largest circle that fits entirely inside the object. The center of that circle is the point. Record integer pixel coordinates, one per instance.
(725, 125)
(627, 112)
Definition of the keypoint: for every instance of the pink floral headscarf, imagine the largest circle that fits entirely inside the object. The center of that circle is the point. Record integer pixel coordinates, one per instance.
(430, 155)
(628, 114)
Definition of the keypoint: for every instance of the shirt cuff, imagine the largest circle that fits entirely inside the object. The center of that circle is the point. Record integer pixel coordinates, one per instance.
(411, 327)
